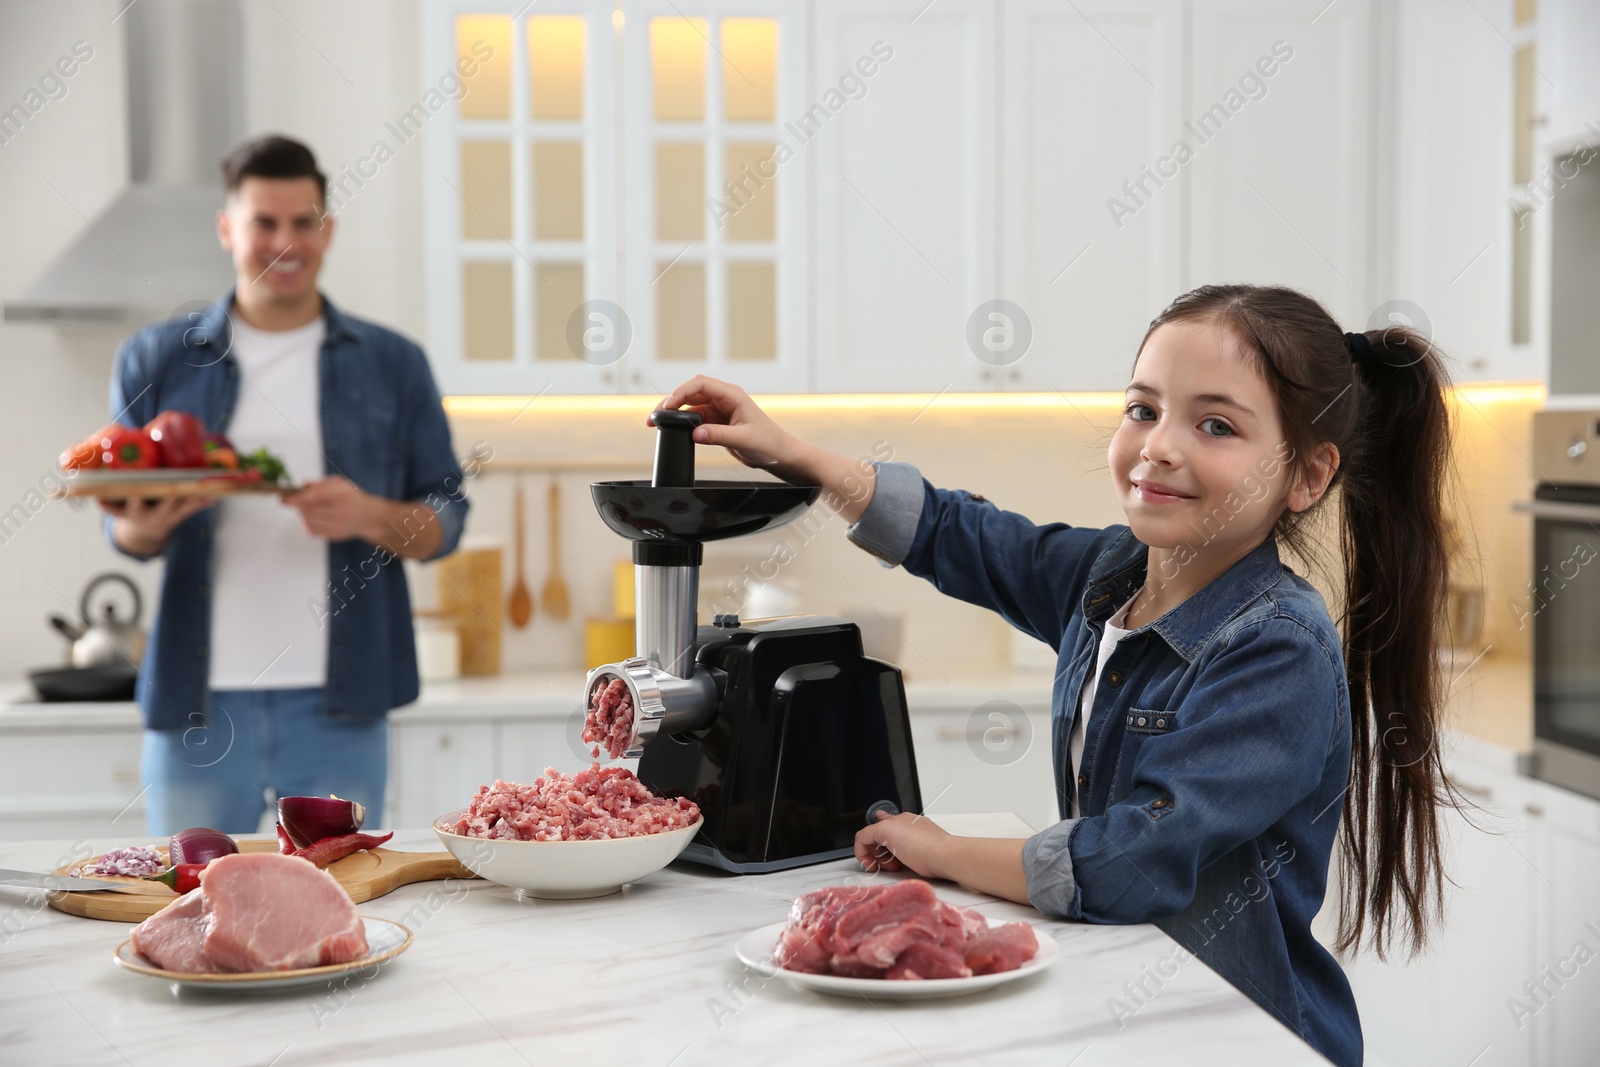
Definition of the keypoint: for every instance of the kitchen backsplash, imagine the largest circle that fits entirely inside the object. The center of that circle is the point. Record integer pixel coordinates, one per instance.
(1043, 456)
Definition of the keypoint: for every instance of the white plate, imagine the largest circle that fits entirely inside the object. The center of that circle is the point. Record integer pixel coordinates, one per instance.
(385, 941)
(755, 950)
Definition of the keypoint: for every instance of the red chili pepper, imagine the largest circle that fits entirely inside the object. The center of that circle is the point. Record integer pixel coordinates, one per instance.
(125, 448)
(183, 878)
(285, 846)
(330, 849)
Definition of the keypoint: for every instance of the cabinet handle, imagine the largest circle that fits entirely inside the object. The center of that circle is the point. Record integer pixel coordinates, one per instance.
(444, 740)
(1476, 792)
(1535, 810)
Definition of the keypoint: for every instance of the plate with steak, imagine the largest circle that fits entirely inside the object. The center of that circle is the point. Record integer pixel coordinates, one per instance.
(260, 921)
(896, 940)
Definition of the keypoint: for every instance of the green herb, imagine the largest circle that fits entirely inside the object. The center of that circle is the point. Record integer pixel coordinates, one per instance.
(270, 466)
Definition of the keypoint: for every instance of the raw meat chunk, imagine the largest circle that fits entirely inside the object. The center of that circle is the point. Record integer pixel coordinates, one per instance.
(900, 932)
(174, 937)
(277, 913)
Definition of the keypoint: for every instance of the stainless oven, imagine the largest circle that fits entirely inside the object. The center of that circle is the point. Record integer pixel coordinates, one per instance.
(1562, 602)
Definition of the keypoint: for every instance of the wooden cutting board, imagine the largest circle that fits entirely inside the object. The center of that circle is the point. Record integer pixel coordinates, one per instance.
(363, 875)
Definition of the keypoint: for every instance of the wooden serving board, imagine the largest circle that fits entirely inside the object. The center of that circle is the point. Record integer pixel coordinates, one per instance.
(150, 488)
(363, 875)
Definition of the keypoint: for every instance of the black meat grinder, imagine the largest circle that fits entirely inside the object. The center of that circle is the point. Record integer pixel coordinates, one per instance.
(788, 737)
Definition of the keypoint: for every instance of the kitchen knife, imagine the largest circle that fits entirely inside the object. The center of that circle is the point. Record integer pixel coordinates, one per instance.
(30, 880)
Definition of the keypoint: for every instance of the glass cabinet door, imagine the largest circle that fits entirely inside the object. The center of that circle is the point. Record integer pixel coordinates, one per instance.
(620, 208)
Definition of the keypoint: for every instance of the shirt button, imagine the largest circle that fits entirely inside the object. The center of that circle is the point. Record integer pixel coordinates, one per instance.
(1141, 720)
(1083, 780)
(1115, 678)
(1130, 720)
(1161, 722)
(1159, 804)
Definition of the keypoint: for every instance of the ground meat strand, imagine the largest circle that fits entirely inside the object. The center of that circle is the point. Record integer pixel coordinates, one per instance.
(609, 722)
(597, 804)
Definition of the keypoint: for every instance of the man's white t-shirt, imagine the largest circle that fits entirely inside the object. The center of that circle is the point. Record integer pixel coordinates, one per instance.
(265, 568)
(1108, 642)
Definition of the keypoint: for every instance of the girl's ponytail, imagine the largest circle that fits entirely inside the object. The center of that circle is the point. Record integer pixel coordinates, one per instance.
(1392, 533)
(1379, 398)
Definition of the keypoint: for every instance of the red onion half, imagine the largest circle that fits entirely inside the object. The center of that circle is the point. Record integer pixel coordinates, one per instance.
(199, 844)
(308, 820)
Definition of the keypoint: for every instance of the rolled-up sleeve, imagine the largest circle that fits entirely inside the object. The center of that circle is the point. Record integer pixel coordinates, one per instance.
(1047, 865)
(889, 524)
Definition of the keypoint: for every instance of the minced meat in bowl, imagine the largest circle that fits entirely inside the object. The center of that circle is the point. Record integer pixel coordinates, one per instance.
(580, 836)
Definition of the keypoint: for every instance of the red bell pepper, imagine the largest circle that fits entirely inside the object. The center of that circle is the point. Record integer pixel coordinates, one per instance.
(128, 448)
(180, 437)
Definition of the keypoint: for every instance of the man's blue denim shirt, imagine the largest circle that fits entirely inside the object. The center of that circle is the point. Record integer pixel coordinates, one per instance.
(1216, 758)
(383, 427)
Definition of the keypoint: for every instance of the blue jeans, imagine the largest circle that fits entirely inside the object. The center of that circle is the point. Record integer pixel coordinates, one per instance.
(219, 775)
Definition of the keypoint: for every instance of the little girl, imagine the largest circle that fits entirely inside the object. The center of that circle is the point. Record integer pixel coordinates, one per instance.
(1204, 748)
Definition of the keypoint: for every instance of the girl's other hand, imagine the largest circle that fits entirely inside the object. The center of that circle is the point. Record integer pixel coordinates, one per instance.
(901, 842)
(735, 422)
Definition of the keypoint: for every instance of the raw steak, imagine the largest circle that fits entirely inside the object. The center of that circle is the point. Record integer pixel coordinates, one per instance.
(174, 937)
(277, 913)
(898, 932)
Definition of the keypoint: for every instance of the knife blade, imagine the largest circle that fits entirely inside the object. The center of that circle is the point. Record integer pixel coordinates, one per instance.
(60, 882)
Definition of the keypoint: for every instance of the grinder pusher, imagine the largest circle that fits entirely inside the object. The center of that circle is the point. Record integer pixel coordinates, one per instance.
(788, 737)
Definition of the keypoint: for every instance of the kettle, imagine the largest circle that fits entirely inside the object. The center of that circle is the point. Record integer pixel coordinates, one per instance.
(107, 641)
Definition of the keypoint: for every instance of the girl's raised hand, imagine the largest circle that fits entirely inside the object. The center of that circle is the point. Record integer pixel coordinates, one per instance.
(735, 422)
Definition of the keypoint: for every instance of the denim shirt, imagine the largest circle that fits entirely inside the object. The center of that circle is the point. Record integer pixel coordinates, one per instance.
(1216, 757)
(383, 428)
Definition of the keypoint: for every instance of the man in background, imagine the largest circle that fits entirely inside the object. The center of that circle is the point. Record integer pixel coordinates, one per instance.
(284, 631)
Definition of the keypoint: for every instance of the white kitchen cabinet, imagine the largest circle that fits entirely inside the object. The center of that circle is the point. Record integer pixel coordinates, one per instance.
(525, 747)
(1449, 1006)
(906, 215)
(1565, 969)
(990, 759)
(1569, 74)
(1453, 237)
(642, 224)
(714, 134)
(436, 767)
(71, 782)
(1281, 182)
(1092, 102)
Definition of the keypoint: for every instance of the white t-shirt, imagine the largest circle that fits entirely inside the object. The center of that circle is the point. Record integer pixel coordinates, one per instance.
(1108, 641)
(265, 568)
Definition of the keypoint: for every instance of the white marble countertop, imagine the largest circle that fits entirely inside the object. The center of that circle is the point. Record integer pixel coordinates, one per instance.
(643, 977)
(523, 694)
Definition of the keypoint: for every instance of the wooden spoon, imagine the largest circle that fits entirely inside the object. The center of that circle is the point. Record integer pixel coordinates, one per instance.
(557, 600)
(520, 607)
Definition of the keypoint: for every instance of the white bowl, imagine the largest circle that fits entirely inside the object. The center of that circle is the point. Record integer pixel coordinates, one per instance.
(564, 870)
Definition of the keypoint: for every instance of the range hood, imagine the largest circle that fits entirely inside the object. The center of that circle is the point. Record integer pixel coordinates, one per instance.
(153, 253)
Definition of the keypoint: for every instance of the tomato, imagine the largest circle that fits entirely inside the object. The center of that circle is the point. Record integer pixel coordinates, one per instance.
(179, 437)
(129, 448)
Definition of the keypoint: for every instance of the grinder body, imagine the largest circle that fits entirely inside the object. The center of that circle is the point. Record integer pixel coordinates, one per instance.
(807, 735)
